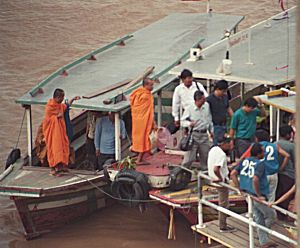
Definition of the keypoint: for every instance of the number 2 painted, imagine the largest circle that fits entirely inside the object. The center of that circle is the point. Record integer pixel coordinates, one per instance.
(270, 152)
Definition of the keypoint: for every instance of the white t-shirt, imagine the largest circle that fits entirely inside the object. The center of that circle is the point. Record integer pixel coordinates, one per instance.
(184, 97)
(217, 157)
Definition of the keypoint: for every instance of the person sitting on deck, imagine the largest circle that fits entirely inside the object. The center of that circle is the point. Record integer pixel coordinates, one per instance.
(218, 170)
(142, 112)
(41, 148)
(54, 130)
(105, 139)
(243, 124)
(220, 109)
(198, 117)
(183, 96)
(253, 180)
(286, 176)
(271, 160)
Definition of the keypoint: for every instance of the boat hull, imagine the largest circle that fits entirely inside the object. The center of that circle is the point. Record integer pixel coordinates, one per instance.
(44, 214)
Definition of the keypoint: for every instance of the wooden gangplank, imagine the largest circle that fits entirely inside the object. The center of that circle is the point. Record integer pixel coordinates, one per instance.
(240, 238)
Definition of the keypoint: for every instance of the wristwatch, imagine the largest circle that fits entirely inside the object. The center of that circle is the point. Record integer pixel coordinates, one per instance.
(260, 105)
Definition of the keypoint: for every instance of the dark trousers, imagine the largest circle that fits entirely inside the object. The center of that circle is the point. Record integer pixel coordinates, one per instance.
(223, 202)
(284, 185)
(102, 159)
(219, 132)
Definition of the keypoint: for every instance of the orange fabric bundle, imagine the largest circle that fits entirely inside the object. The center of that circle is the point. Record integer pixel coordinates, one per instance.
(54, 129)
(142, 111)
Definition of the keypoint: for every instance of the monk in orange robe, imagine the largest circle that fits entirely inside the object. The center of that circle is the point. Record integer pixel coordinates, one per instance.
(54, 130)
(142, 112)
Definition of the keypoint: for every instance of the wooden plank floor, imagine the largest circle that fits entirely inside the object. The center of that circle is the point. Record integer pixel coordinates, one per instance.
(240, 238)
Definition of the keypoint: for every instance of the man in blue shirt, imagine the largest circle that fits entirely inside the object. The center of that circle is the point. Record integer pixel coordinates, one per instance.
(271, 160)
(105, 138)
(253, 180)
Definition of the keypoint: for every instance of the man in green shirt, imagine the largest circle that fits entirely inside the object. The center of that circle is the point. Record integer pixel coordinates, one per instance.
(243, 124)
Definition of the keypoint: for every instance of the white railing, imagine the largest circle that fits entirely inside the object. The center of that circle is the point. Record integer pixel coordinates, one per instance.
(249, 220)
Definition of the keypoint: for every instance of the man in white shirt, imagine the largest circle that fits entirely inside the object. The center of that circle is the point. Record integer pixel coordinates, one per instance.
(218, 170)
(183, 96)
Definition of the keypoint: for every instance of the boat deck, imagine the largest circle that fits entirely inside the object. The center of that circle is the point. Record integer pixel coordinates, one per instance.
(36, 181)
(237, 239)
(189, 197)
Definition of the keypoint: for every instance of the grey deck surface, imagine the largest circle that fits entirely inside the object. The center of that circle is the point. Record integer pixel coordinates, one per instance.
(33, 181)
(270, 47)
(287, 104)
(240, 238)
(159, 44)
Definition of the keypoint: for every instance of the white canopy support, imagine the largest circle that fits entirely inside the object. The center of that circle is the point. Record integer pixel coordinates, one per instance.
(117, 136)
(159, 109)
(29, 132)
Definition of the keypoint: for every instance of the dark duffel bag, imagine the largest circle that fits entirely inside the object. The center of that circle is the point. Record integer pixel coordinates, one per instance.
(14, 155)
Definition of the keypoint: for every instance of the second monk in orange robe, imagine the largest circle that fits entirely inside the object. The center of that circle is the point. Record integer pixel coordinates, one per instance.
(142, 111)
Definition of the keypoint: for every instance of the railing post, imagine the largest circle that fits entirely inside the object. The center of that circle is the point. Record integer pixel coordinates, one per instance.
(29, 133)
(208, 86)
(250, 213)
(200, 206)
(159, 108)
(117, 137)
(277, 124)
(271, 114)
(249, 48)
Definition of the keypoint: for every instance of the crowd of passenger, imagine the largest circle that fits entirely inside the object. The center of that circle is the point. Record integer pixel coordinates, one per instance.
(264, 169)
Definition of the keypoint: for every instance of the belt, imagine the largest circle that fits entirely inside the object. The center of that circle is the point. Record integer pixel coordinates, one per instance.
(200, 131)
(220, 124)
(248, 139)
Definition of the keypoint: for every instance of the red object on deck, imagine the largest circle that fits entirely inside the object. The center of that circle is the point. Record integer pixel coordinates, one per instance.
(121, 43)
(93, 57)
(64, 73)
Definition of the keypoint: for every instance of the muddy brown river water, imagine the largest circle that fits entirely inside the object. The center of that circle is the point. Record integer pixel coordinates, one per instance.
(39, 36)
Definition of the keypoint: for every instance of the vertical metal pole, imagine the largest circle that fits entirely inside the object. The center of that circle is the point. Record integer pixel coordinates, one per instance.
(117, 136)
(208, 86)
(249, 47)
(298, 121)
(242, 92)
(251, 231)
(208, 6)
(29, 133)
(277, 124)
(271, 123)
(200, 206)
(159, 108)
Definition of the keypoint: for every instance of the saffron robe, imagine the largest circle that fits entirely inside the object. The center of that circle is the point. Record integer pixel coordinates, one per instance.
(142, 112)
(54, 129)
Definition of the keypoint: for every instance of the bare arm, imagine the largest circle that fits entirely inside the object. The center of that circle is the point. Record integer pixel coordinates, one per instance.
(234, 177)
(256, 186)
(286, 195)
(286, 158)
(74, 99)
(260, 107)
(217, 171)
(230, 111)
